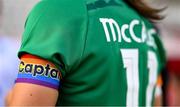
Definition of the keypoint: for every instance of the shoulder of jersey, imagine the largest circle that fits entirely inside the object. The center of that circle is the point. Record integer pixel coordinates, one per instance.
(60, 8)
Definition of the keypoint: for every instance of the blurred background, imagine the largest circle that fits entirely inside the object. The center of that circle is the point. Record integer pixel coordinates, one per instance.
(14, 12)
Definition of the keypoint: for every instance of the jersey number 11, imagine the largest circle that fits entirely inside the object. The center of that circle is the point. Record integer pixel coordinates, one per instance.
(131, 63)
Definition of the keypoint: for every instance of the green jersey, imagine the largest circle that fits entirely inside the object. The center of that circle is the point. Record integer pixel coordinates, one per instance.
(108, 54)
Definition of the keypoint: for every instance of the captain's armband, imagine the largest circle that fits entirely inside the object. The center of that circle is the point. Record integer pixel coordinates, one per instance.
(35, 70)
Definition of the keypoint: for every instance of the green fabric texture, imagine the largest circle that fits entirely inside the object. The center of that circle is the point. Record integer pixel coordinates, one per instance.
(70, 34)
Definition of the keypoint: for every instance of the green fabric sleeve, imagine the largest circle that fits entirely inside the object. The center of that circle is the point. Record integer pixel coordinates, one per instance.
(162, 52)
(55, 30)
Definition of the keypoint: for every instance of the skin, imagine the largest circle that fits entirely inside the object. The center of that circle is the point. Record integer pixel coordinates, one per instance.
(25, 94)
(158, 101)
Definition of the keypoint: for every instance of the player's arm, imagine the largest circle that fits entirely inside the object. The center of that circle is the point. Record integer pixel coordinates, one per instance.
(37, 83)
(158, 92)
(24, 94)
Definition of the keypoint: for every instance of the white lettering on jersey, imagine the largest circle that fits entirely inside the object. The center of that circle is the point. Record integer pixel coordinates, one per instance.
(145, 36)
(132, 26)
(111, 23)
(124, 28)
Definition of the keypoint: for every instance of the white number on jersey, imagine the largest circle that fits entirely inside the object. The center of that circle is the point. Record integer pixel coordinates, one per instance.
(131, 63)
